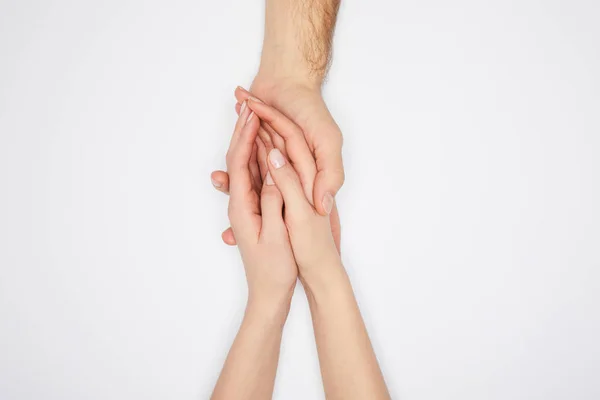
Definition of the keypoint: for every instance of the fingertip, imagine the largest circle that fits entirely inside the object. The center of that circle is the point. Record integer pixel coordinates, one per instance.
(241, 94)
(326, 187)
(254, 100)
(320, 206)
(276, 158)
(228, 237)
(220, 180)
(327, 202)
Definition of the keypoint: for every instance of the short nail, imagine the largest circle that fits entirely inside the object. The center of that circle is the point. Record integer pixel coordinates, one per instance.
(243, 107)
(276, 158)
(216, 184)
(327, 202)
(269, 179)
(255, 99)
(250, 117)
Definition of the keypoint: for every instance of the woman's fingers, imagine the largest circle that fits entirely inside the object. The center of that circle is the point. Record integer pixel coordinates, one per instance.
(228, 237)
(271, 206)
(254, 169)
(240, 153)
(220, 181)
(295, 143)
(288, 183)
(244, 204)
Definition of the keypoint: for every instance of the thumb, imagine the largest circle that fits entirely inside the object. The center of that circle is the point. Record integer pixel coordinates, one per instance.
(288, 183)
(329, 179)
(271, 206)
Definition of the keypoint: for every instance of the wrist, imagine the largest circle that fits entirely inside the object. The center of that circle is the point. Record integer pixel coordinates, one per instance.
(274, 308)
(276, 72)
(279, 74)
(326, 281)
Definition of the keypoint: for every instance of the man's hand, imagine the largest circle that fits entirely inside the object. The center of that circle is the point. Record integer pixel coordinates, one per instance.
(296, 55)
(304, 105)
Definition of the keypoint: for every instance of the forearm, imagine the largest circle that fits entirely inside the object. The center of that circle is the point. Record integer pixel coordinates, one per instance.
(298, 39)
(250, 368)
(348, 363)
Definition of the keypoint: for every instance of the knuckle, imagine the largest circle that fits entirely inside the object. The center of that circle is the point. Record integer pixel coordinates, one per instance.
(269, 194)
(296, 133)
(298, 217)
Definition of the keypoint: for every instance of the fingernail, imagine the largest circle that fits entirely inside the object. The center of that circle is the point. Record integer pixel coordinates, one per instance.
(327, 202)
(255, 99)
(216, 184)
(243, 113)
(269, 179)
(250, 117)
(276, 158)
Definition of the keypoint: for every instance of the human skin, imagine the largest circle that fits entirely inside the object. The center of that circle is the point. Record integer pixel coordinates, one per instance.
(295, 58)
(349, 367)
(255, 213)
(348, 364)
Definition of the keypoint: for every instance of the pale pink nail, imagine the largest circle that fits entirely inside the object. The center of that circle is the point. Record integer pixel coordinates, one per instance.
(327, 202)
(276, 158)
(243, 111)
(250, 117)
(216, 184)
(269, 179)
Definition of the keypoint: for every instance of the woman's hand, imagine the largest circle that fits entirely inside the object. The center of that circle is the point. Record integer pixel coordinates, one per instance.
(307, 102)
(303, 104)
(309, 232)
(255, 214)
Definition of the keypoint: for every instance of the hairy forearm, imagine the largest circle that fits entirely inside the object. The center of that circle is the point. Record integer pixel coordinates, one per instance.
(348, 363)
(250, 368)
(298, 38)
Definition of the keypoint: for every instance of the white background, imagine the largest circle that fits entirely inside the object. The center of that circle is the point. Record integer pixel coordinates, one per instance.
(471, 217)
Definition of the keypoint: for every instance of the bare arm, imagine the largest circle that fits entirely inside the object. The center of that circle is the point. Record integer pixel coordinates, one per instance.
(250, 368)
(298, 39)
(348, 364)
(296, 54)
(255, 213)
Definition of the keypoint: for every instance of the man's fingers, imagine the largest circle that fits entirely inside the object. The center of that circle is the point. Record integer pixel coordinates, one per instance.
(330, 176)
(220, 181)
(288, 183)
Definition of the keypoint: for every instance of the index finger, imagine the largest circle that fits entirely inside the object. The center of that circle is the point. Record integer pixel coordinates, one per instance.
(295, 144)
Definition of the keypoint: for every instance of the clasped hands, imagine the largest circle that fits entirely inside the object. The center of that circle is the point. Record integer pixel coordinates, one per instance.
(281, 232)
